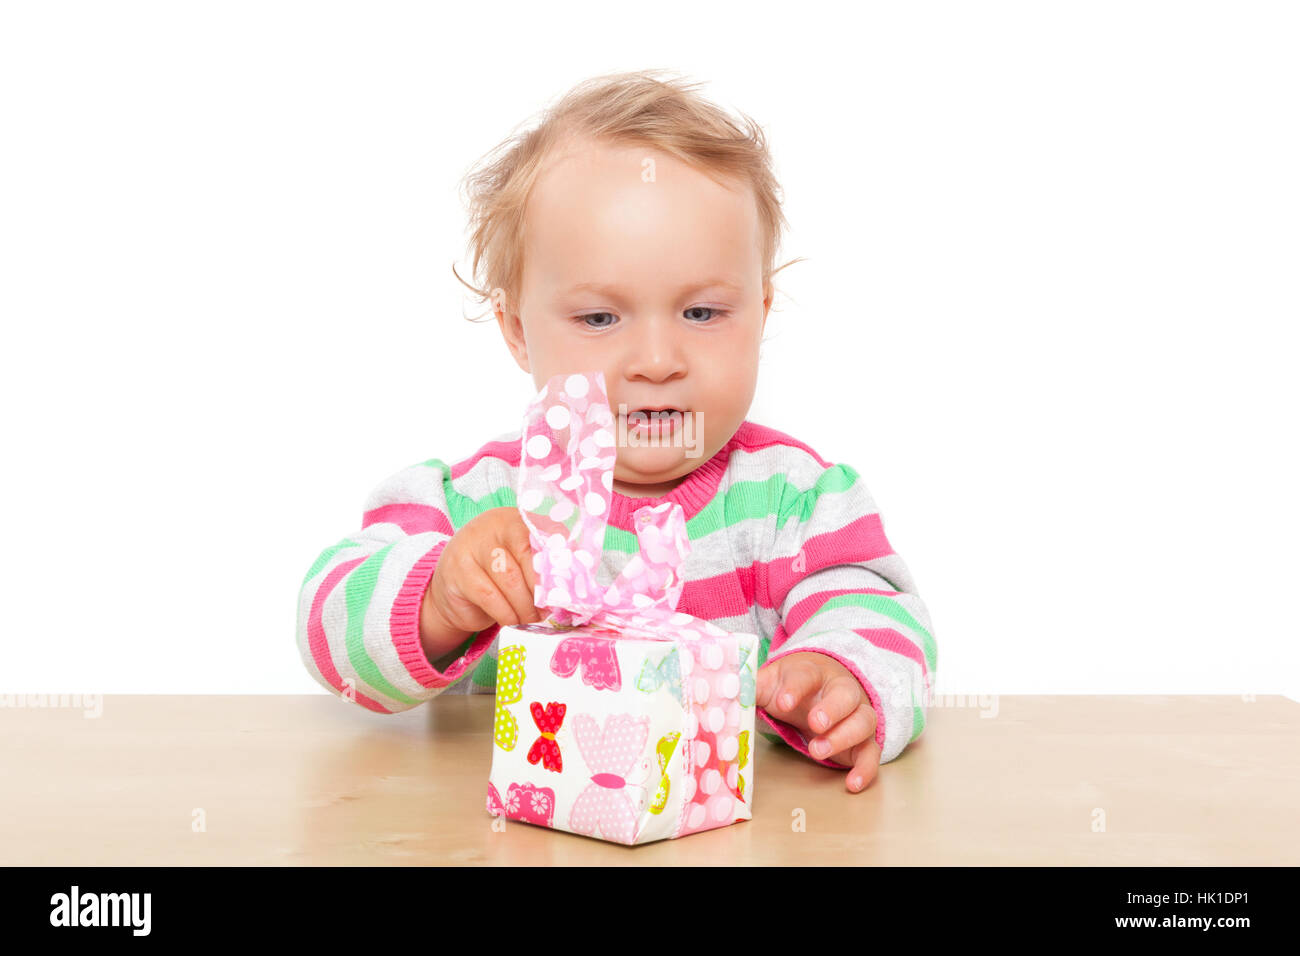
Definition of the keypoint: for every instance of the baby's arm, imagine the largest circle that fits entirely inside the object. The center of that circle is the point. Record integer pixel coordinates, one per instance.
(840, 590)
(358, 629)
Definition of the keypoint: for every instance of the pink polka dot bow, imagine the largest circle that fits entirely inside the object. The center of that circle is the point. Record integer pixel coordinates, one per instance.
(564, 490)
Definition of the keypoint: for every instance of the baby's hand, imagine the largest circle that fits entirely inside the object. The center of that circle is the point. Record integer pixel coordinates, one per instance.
(818, 694)
(484, 576)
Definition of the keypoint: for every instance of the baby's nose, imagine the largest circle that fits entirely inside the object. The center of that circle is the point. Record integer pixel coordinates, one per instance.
(656, 351)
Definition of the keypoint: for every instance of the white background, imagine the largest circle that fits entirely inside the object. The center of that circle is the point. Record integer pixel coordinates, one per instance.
(1048, 311)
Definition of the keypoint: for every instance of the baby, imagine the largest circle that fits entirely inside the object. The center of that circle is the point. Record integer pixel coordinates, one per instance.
(634, 232)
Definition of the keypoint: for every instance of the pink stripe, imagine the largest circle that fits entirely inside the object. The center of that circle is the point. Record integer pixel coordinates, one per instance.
(404, 621)
(752, 437)
(790, 734)
(722, 595)
(888, 639)
(862, 539)
(319, 644)
(734, 593)
(507, 451)
(778, 638)
(411, 518)
(404, 627)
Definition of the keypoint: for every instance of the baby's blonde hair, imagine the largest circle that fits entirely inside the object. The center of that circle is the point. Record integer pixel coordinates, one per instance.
(633, 108)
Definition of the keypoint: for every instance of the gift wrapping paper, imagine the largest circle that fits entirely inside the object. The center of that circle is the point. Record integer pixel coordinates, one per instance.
(626, 739)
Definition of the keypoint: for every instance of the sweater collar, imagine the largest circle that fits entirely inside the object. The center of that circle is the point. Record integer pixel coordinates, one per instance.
(694, 492)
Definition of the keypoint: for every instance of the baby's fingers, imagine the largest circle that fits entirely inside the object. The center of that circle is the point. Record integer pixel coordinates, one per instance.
(841, 696)
(865, 765)
(788, 682)
(516, 539)
(512, 584)
(480, 588)
(854, 729)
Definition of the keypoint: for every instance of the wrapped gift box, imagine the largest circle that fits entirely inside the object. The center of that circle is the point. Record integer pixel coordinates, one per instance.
(628, 739)
(618, 717)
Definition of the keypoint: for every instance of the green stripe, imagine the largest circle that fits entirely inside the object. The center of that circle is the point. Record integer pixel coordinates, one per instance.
(358, 591)
(462, 508)
(890, 608)
(485, 675)
(743, 501)
(326, 556)
(800, 505)
(918, 714)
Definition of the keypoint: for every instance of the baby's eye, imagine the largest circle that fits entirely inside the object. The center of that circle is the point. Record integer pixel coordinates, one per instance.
(596, 315)
(703, 308)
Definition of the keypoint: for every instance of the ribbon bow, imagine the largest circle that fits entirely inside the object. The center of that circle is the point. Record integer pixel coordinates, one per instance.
(564, 490)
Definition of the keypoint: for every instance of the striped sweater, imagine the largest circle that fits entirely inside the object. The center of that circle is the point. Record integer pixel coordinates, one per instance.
(783, 545)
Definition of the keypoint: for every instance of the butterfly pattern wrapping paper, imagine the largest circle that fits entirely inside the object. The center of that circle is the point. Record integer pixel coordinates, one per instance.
(618, 717)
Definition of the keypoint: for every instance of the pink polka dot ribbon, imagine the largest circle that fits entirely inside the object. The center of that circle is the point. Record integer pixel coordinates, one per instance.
(564, 489)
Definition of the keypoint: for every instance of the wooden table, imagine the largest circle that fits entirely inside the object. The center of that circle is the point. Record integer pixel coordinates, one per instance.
(203, 780)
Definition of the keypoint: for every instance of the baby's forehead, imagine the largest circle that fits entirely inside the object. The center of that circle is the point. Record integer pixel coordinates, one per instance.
(611, 212)
(621, 189)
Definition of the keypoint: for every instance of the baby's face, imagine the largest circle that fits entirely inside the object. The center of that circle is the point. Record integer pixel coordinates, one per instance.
(639, 266)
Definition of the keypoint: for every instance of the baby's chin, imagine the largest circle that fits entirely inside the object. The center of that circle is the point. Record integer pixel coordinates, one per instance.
(651, 469)
(651, 465)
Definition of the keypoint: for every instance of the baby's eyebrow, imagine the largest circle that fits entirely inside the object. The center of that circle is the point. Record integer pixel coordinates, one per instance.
(607, 289)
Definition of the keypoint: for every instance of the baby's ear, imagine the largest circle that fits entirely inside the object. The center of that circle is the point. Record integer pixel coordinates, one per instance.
(521, 359)
(512, 330)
